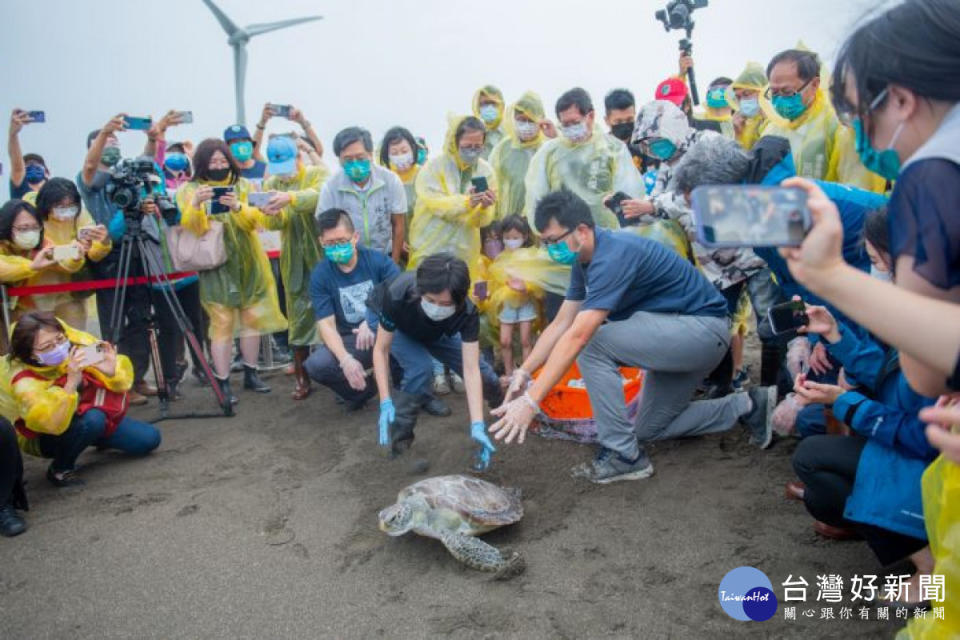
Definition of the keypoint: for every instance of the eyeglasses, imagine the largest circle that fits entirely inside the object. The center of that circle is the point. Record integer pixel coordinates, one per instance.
(469, 149)
(785, 93)
(332, 243)
(26, 229)
(549, 241)
(847, 112)
(47, 347)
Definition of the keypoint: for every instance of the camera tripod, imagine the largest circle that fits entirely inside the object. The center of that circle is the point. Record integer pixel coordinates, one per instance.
(134, 241)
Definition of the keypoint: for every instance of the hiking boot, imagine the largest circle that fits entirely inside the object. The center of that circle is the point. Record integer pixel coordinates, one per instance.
(759, 421)
(440, 385)
(11, 523)
(224, 384)
(609, 466)
(252, 381)
(435, 406)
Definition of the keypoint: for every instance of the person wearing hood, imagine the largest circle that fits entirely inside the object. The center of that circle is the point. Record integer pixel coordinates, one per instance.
(450, 210)
(527, 129)
(296, 189)
(744, 96)
(583, 159)
(488, 107)
(239, 296)
(718, 107)
(823, 148)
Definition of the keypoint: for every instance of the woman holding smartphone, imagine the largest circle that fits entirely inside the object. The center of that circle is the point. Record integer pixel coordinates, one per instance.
(239, 296)
(70, 392)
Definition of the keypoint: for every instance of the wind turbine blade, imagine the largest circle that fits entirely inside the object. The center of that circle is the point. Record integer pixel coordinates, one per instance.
(239, 75)
(222, 18)
(257, 29)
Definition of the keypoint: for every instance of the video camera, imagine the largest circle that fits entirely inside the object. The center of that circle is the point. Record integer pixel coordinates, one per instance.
(677, 14)
(131, 182)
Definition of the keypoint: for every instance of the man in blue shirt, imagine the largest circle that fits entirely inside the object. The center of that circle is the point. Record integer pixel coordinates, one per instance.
(339, 287)
(631, 302)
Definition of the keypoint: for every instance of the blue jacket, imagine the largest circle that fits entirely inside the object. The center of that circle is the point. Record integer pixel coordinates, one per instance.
(776, 165)
(886, 491)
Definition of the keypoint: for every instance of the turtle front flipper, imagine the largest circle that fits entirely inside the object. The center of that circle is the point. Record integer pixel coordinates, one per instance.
(477, 554)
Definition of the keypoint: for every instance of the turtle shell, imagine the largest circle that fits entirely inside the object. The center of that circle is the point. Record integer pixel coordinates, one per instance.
(476, 500)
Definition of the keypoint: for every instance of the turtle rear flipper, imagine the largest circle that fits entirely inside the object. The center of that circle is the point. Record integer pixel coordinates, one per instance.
(477, 554)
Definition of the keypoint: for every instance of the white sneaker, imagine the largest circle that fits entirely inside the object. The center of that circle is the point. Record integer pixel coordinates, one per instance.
(457, 382)
(440, 385)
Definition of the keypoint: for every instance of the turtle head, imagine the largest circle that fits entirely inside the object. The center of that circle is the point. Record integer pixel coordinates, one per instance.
(396, 519)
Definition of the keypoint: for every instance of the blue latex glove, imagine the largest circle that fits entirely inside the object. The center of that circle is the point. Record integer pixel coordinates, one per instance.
(387, 415)
(478, 431)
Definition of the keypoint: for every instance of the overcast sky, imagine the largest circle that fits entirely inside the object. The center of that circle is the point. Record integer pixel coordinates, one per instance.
(375, 63)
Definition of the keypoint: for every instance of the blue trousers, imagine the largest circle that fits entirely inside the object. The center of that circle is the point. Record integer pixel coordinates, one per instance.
(416, 360)
(131, 436)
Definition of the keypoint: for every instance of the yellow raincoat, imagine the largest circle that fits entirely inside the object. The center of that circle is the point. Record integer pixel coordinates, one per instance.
(240, 295)
(494, 130)
(511, 157)
(823, 149)
(299, 251)
(46, 407)
(71, 307)
(443, 219)
(941, 512)
(593, 169)
(752, 78)
(534, 267)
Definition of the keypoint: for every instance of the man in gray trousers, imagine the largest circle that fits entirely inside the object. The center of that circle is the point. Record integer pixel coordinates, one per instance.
(631, 302)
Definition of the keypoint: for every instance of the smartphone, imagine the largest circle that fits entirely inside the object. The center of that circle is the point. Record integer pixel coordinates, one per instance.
(215, 206)
(615, 204)
(37, 116)
(83, 233)
(185, 117)
(259, 199)
(66, 252)
(480, 290)
(788, 317)
(282, 110)
(750, 216)
(479, 184)
(137, 124)
(92, 353)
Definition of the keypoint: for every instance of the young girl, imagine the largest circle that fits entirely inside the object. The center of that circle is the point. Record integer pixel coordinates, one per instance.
(518, 307)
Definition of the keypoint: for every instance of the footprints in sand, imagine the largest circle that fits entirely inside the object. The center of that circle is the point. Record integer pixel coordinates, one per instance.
(129, 502)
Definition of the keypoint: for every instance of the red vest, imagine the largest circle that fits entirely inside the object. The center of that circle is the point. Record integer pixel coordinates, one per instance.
(93, 395)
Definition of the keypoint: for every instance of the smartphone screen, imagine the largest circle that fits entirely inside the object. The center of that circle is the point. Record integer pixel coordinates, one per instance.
(185, 117)
(37, 116)
(215, 205)
(282, 110)
(480, 184)
(66, 252)
(480, 290)
(259, 199)
(750, 216)
(85, 232)
(788, 316)
(137, 124)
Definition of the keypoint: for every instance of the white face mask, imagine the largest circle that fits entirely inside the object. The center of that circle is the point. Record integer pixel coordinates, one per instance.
(403, 161)
(883, 276)
(26, 240)
(575, 132)
(513, 243)
(65, 213)
(436, 312)
(526, 130)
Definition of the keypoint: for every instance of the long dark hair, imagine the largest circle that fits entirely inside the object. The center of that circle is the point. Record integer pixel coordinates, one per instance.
(53, 192)
(203, 154)
(396, 134)
(9, 212)
(915, 45)
(875, 230)
(25, 332)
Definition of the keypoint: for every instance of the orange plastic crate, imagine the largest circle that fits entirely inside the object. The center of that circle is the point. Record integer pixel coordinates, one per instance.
(572, 403)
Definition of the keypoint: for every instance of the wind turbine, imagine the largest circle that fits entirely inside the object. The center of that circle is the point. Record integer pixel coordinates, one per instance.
(238, 37)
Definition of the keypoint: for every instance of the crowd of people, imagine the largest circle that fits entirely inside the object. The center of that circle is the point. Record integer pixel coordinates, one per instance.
(528, 245)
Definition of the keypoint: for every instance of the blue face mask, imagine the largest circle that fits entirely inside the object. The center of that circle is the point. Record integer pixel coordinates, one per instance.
(561, 253)
(717, 98)
(662, 149)
(242, 151)
(339, 253)
(750, 107)
(489, 113)
(176, 162)
(885, 163)
(35, 174)
(357, 170)
(789, 107)
(421, 156)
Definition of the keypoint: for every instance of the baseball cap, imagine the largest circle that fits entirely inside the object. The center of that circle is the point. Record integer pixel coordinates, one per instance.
(673, 90)
(281, 155)
(236, 132)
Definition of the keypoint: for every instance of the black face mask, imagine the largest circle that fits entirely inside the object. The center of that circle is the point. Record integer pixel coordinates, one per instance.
(622, 131)
(218, 175)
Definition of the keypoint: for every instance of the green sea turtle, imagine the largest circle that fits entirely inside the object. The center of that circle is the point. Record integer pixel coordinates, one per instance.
(453, 509)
